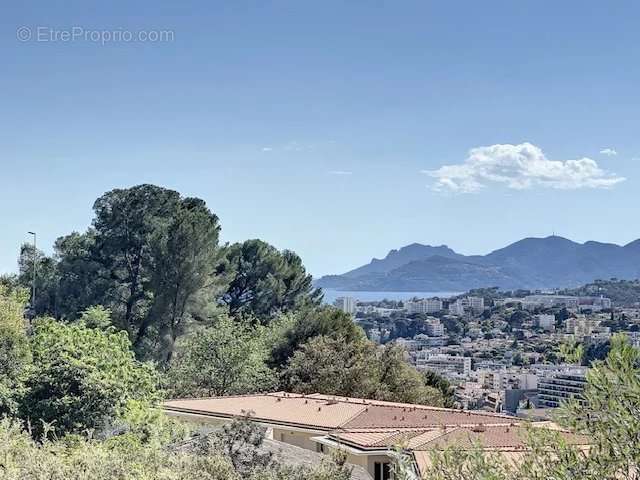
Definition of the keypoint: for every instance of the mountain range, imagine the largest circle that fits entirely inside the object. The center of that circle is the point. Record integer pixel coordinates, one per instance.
(530, 263)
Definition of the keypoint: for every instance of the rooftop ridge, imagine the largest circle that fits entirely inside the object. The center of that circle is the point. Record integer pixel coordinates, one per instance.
(384, 403)
(249, 395)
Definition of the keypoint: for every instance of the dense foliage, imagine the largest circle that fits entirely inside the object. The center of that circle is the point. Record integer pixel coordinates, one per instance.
(81, 377)
(228, 358)
(153, 259)
(264, 281)
(130, 457)
(335, 366)
(294, 331)
(148, 281)
(14, 349)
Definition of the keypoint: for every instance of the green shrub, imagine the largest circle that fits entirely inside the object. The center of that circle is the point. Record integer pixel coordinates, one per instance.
(81, 377)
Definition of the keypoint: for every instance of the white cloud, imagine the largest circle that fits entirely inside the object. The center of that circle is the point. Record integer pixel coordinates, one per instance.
(609, 152)
(519, 167)
(340, 172)
(266, 149)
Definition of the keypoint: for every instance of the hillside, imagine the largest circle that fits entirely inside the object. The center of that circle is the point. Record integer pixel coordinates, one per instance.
(551, 262)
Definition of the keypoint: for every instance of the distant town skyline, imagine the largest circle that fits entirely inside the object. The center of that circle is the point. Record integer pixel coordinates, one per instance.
(339, 131)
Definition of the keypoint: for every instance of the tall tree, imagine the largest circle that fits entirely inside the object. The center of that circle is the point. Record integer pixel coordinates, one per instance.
(333, 366)
(150, 258)
(185, 255)
(126, 223)
(264, 281)
(401, 382)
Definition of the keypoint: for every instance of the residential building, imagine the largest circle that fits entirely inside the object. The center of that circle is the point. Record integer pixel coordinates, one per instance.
(365, 430)
(568, 301)
(346, 304)
(561, 384)
(427, 341)
(507, 379)
(385, 312)
(595, 303)
(546, 322)
(434, 327)
(425, 305)
(476, 304)
(444, 363)
(456, 308)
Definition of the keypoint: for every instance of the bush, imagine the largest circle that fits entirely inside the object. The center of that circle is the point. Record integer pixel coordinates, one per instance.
(14, 349)
(81, 377)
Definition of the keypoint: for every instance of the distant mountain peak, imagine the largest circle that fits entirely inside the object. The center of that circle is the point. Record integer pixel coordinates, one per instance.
(532, 262)
(398, 257)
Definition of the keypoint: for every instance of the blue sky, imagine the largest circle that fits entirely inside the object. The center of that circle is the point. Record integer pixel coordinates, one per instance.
(337, 129)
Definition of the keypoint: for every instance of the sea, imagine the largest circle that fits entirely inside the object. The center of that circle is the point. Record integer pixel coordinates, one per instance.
(365, 296)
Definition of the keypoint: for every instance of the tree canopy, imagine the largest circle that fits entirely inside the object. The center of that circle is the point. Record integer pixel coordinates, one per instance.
(335, 366)
(264, 281)
(227, 358)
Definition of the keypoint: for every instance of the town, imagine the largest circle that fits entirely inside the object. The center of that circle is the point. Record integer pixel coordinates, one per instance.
(520, 353)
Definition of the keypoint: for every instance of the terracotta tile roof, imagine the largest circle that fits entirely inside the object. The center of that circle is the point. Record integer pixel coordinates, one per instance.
(276, 408)
(386, 438)
(334, 412)
(506, 441)
(375, 425)
(411, 416)
(489, 437)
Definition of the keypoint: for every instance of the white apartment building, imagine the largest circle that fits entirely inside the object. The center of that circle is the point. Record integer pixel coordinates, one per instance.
(434, 327)
(561, 384)
(385, 312)
(595, 303)
(476, 303)
(346, 304)
(585, 327)
(583, 303)
(425, 305)
(548, 301)
(456, 308)
(507, 380)
(444, 363)
(546, 322)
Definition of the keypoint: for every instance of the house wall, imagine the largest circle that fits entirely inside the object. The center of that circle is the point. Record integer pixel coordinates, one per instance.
(299, 439)
(304, 440)
(197, 419)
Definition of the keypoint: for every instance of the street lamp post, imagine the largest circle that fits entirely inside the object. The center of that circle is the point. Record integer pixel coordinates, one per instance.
(35, 265)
